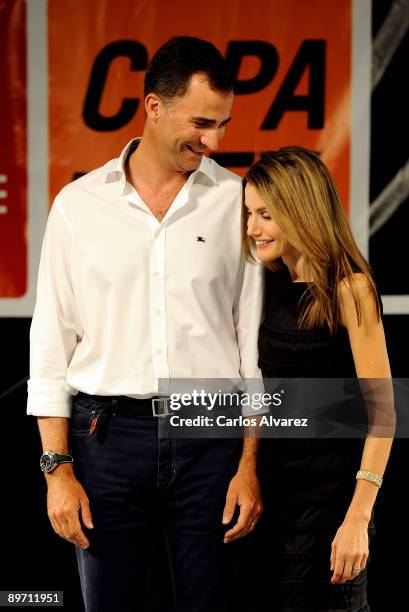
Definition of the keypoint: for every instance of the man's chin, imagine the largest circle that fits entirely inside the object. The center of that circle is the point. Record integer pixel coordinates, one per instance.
(191, 164)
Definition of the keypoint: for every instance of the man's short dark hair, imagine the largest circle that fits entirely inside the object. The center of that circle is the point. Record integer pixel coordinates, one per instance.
(171, 68)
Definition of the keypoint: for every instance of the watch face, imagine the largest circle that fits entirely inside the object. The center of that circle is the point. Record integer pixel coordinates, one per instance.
(46, 462)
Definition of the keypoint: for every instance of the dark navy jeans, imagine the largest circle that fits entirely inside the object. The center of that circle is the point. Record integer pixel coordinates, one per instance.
(135, 476)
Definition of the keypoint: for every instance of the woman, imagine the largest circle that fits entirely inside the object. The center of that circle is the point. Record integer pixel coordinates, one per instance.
(322, 319)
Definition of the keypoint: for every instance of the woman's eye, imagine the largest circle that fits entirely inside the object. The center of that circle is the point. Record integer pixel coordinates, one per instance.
(266, 216)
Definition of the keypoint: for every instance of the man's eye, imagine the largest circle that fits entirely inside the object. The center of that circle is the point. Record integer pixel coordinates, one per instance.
(200, 125)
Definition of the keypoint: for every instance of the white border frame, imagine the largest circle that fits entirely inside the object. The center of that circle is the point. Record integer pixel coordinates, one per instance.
(37, 151)
(360, 122)
(361, 139)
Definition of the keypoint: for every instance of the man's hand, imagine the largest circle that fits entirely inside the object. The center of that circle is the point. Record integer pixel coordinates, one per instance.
(66, 503)
(244, 490)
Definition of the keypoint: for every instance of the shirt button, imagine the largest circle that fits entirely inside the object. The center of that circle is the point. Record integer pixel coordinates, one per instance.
(156, 273)
(158, 351)
(157, 311)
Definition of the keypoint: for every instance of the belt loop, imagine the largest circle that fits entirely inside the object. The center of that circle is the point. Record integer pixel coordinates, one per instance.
(113, 406)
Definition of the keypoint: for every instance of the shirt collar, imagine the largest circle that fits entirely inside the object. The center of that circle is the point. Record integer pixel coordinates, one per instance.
(207, 168)
(206, 165)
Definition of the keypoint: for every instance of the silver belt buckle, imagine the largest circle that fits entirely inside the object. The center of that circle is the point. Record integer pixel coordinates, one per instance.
(160, 406)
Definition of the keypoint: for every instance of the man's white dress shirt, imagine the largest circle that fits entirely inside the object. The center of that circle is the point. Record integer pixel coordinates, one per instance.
(124, 300)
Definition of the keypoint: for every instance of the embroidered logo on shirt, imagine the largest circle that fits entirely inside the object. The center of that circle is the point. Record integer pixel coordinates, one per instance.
(201, 239)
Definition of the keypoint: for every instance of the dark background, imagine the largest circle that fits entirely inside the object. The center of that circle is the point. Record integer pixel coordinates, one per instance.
(33, 557)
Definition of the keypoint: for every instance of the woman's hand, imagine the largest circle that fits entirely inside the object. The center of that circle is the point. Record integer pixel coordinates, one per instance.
(349, 549)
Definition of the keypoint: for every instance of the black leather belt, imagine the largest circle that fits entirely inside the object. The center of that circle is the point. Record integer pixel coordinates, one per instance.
(121, 404)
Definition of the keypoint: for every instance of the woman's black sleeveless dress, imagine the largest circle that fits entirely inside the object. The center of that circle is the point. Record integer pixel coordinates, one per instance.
(307, 484)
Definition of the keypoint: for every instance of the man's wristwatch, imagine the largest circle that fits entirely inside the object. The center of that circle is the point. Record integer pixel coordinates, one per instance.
(50, 460)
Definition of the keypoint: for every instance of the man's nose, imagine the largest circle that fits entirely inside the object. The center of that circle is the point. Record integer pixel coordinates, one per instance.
(211, 140)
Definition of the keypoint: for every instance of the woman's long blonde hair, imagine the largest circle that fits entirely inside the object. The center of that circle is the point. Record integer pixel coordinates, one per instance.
(301, 197)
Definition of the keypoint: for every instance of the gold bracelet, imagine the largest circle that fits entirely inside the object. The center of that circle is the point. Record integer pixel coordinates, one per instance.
(370, 476)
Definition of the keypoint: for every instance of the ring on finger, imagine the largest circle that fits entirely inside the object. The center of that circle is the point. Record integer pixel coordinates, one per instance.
(356, 570)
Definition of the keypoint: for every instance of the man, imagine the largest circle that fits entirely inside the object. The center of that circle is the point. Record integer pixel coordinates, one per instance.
(142, 278)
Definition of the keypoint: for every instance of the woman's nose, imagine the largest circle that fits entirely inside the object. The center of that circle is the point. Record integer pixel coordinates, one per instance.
(252, 227)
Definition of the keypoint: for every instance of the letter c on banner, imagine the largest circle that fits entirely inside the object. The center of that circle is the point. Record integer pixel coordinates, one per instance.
(91, 115)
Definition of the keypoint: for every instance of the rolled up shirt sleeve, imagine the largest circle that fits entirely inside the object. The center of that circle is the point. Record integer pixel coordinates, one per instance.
(55, 329)
(247, 315)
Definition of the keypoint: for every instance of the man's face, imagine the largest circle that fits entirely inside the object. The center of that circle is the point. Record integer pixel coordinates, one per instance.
(188, 125)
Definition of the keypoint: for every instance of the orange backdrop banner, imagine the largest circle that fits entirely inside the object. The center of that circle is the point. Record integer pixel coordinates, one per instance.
(13, 150)
(291, 63)
(291, 60)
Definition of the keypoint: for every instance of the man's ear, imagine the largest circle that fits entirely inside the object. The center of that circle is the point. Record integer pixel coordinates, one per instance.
(153, 106)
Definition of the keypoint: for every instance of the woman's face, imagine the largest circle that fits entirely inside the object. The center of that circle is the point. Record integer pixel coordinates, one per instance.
(271, 243)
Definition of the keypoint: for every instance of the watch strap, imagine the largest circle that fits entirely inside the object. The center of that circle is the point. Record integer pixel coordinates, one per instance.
(63, 458)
